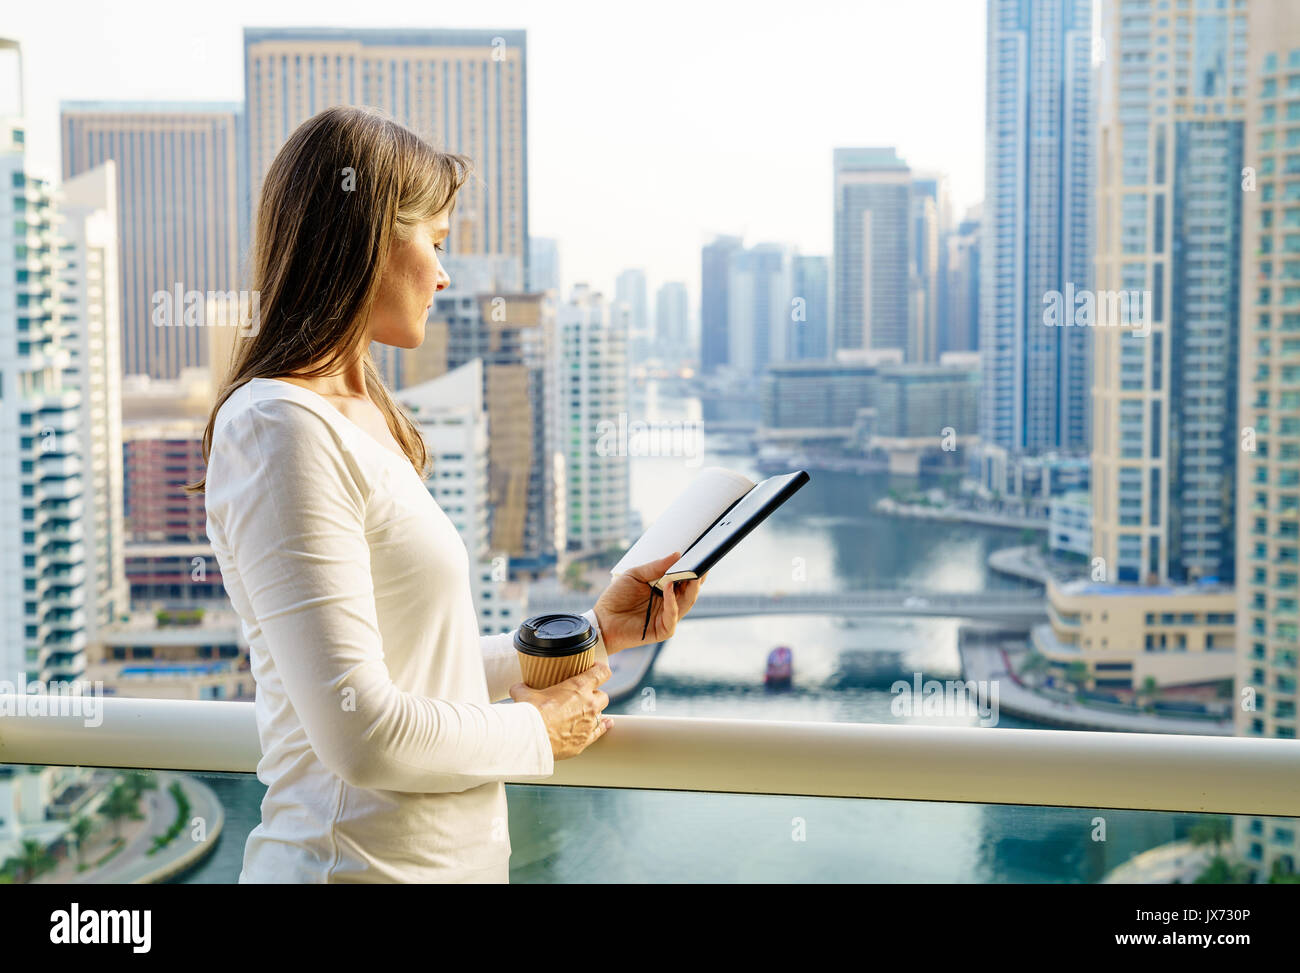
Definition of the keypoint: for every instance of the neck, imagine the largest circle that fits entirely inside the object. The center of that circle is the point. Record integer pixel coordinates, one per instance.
(348, 381)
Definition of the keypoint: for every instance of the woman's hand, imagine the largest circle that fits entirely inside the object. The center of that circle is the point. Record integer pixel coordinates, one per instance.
(620, 609)
(572, 710)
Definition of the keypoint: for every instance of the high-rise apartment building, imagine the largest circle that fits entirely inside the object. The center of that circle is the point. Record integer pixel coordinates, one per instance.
(959, 295)
(631, 301)
(1268, 514)
(463, 90)
(89, 293)
(811, 316)
(1038, 218)
(1171, 101)
(930, 219)
(760, 293)
(543, 264)
(178, 216)
(715, 316)
(43, 579)
(593, 421)
(515, 336)
(169, 562)
(873, 204)
(672, 319)
(449, 413)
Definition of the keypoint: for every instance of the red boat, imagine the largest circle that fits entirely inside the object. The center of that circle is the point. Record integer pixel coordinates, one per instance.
(780, 667)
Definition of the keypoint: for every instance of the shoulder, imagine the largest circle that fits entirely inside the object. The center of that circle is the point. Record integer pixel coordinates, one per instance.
(283, 432)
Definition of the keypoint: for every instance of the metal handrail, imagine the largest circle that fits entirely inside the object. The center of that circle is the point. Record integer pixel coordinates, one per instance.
(977, 765)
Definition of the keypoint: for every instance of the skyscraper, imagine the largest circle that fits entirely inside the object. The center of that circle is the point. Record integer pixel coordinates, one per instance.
(1268, 538)
(453, 421)
(672, 313)
(759, 306)
(811, 339)
(959, 292)
(715, 272)
(873, 193)
(543, 264)
(592, 396)
(515, 336)
(631, 295)
(930, 218)
(1038, 217)
(178, 192)
(43, 593)
(464, 90)
(89, 297)
(1165, 423)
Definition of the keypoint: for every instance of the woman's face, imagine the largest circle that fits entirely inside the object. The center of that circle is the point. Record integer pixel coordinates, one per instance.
(411, 277)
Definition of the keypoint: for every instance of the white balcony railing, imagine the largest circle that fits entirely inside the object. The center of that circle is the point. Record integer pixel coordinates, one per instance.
(1063, 768)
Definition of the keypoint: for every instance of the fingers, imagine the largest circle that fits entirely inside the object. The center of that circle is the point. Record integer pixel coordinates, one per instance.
(653, 570)
(693, 590)
(591, 678)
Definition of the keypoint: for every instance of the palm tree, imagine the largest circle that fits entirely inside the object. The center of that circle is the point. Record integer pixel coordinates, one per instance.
(136, 782)
(1211, 830)
(34, 858)
(1077, 673)
(1149, 689)
(1036, 662)
(81, 830)
(119, 804)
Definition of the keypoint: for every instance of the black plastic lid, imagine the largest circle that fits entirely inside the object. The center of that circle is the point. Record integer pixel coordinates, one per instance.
(555, 634)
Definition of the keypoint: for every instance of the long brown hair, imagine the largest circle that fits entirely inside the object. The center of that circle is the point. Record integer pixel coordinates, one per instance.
(345, 184)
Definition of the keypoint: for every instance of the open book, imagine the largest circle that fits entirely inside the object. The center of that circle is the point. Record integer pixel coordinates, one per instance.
(707, 520)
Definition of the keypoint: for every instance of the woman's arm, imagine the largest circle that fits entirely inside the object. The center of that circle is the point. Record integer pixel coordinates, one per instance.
(501, 659)
(290, 500)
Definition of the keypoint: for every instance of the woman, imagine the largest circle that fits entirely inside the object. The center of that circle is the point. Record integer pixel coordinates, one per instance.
(382, 755)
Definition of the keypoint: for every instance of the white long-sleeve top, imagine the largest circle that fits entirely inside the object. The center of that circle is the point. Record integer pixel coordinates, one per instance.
(382, 752)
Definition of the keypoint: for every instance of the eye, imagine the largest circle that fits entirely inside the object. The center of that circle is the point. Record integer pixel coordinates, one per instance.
(438, 247)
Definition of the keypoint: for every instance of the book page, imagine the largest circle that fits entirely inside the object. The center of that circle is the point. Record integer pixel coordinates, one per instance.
(685, 520)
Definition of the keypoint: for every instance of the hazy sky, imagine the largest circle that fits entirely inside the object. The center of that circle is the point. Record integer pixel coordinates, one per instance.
(651, 127)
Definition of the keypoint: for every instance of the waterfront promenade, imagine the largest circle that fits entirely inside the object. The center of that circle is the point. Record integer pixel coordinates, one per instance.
(133, 864)
(989, 662)
(1022, 562)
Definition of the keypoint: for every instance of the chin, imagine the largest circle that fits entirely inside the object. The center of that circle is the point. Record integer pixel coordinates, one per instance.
(404, 337)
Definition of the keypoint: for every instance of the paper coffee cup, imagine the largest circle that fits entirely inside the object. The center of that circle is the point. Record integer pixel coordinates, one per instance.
(554, 647)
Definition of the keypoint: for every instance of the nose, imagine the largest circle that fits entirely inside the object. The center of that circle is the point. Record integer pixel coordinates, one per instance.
(443, 280)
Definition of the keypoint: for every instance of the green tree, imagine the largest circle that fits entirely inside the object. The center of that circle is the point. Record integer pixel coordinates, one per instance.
(1279, 877)
(1210, 831)
(1147, 694)
(1034, 664)
(33, 859)
(136, 782)
(575, 577)
(1221, 872)
(81, 829)
(1077, 672)
(120, 803)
